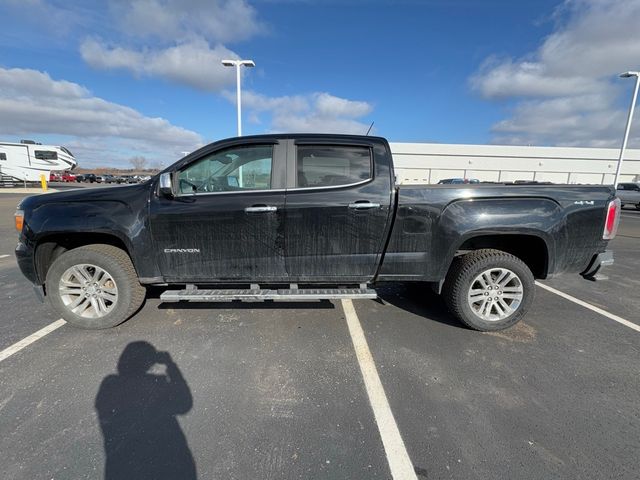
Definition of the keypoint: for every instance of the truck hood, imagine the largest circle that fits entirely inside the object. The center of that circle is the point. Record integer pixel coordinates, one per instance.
(122, 194)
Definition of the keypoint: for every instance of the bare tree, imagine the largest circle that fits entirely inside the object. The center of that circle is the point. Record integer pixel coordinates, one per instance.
(138, 162)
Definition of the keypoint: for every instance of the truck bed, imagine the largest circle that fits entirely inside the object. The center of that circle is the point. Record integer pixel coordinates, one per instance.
(433, 222)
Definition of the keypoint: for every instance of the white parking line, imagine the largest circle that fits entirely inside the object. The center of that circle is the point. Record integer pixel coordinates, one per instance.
(25, 342)
(4, 256)
(397, 456)
(635, 217)
(613, 317)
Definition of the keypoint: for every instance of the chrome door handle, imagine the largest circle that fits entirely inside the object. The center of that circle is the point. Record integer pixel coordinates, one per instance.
(261, 209)
(363, 205)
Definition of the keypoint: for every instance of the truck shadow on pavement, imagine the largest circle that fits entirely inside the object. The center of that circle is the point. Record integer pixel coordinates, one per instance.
(415, 298)
(419, 299)
(238, 305)
(137, 411)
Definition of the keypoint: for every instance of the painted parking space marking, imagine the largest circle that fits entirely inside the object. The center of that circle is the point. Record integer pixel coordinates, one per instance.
(593, 308)
(4, 256)
(397, 456)
(635, 217)
(34, 337)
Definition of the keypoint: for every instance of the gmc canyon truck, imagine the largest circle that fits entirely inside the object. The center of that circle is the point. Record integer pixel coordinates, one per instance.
(301, 217)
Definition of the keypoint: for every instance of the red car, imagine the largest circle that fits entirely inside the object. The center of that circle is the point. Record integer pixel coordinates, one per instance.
(62, 177)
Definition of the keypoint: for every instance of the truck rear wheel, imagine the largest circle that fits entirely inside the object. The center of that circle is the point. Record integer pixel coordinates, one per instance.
(94, 286)
(489, 290)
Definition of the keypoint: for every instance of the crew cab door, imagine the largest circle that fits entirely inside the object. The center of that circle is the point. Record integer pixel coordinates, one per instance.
(225, 221)
(337, 209)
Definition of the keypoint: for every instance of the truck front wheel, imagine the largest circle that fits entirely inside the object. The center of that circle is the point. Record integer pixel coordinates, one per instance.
(489, 290)
(94, 286)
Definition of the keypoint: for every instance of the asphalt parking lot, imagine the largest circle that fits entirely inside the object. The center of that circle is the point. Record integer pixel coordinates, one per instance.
(277, 390)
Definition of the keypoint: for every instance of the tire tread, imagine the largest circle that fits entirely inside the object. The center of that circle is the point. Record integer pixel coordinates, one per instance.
(454, 290)
(116, 255)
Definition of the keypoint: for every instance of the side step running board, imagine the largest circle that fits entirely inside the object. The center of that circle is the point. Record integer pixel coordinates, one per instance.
(258, 294)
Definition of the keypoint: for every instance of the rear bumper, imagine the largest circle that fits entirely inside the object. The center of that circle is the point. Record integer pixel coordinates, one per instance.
(599, 260)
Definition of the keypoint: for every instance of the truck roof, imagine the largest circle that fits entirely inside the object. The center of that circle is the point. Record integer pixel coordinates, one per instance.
(275, 136)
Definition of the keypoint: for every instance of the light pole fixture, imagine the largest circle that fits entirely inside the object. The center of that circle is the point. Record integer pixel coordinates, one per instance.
(629, 119)
(238, 64)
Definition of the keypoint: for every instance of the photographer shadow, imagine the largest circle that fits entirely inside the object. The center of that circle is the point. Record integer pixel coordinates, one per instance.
(137, 411)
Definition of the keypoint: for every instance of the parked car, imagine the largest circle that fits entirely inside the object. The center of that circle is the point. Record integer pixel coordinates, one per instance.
(458, 181)
(129, 179)
(99, 179)
(90, 178)
(629, 194)
(55, 177)
(320, 213)
(79, 177)
(108, 178)
(68, 177)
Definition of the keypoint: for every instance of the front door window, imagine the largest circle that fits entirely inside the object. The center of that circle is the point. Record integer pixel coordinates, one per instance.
(234, 169)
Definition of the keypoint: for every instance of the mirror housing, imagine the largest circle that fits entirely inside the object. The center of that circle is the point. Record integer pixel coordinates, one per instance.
(166, 184)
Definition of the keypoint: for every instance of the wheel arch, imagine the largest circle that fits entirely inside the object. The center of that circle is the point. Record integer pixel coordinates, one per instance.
(50, 247)
(532, 249)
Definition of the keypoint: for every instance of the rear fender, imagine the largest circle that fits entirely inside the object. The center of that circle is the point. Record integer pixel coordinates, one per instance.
(463, 220)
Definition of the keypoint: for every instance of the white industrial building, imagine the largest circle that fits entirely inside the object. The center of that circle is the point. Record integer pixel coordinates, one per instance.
(432, 162)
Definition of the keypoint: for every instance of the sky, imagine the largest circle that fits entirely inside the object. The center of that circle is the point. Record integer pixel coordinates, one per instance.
(117, 79)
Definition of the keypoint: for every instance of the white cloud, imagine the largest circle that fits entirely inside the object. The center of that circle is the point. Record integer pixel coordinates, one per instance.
(32, 103)
(179, 40)
(567, 91)
(503, 79)
(56, 19)
(214, 20)
(328, 105)
(317, 112)
(194, 63)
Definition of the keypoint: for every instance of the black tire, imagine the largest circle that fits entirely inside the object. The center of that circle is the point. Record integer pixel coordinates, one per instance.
(116, 262)
(638, 206)
(466, 268)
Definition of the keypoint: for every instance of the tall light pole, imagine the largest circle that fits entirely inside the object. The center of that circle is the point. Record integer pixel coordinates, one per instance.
(238, 64)
(629, 119)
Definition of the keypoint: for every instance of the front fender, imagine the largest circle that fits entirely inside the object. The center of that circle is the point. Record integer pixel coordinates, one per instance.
(98, 218)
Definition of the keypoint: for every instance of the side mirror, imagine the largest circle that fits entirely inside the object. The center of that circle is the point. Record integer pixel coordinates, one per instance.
(166, 186)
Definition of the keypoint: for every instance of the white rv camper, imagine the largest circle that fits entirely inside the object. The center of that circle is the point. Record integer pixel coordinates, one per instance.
(27, 160)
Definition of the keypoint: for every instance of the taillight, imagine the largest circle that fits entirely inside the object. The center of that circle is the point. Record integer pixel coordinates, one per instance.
(613, 219)
(19, 219)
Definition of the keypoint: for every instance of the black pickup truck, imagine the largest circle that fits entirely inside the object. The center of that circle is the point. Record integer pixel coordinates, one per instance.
(298, 217)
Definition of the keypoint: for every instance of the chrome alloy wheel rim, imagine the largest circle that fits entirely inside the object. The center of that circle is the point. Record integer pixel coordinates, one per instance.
(495, 294)
(88, 291)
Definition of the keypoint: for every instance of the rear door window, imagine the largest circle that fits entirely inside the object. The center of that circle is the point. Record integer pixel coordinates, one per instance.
(332, 166)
